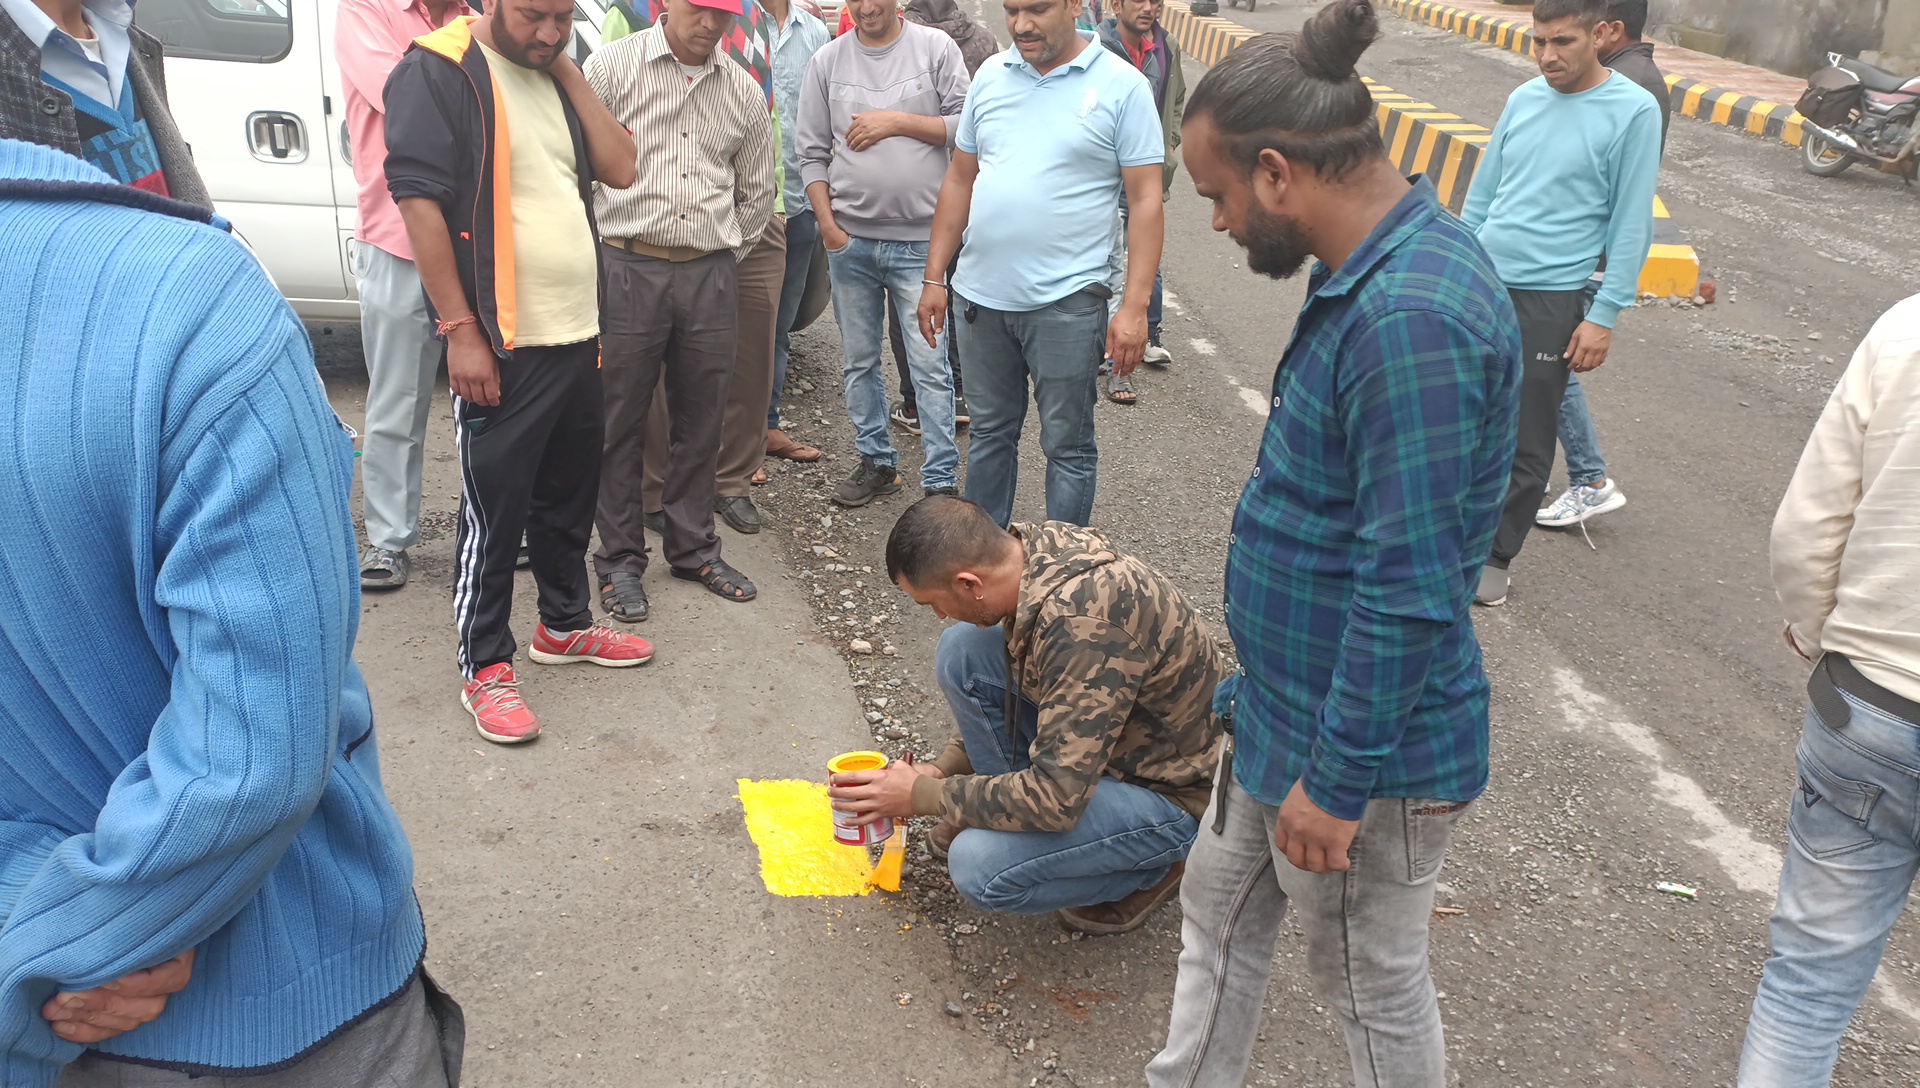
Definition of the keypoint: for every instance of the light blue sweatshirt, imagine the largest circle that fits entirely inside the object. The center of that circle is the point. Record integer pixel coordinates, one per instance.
(1565, 178)
(186, 748)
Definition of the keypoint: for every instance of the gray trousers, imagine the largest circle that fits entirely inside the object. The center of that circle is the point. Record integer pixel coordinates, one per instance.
(743, 429)
(1366, 935)
(416, 1042)
(669, 326)
(403, 359)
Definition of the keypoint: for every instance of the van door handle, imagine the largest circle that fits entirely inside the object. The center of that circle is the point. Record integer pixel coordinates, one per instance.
(276, 137)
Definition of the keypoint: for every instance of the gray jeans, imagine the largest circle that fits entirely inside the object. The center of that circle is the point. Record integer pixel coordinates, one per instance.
(416, 1042)
(1366, 944)
(403, 359)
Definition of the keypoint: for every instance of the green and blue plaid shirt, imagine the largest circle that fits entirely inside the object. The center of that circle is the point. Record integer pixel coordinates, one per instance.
(1360, 536)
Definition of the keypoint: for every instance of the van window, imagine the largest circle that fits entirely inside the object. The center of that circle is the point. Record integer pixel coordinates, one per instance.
(249, 31)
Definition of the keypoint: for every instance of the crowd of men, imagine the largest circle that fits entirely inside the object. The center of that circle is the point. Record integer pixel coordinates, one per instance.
(202, 876)
(670, 238)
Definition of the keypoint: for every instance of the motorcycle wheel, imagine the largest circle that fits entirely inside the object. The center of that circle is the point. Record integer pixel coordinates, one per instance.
(1821, 158)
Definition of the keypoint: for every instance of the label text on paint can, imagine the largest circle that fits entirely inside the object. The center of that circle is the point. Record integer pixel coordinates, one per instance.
(845, 831)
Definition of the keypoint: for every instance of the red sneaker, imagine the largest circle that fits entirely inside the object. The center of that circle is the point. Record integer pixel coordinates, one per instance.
(599, 644)
(493, 698)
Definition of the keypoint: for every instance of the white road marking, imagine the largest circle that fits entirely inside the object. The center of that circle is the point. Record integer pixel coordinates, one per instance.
(1754, 866)
(1254, 399)
(1202, 346)
(1171, 301)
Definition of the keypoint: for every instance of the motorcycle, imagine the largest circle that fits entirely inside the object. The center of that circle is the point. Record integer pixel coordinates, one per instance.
(1854, 112)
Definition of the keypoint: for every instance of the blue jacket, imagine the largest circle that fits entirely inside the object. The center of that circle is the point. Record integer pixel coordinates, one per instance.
(186, 747)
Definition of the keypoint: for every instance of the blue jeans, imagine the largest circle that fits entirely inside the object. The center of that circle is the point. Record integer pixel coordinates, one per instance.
(1585, 465)
(1851, 858)
(803, 232)
(1117, 280)
(865, 275)
(1060, 348)
(1125, 840)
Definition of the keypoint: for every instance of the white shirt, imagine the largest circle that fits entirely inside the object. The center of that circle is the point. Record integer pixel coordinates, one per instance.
(1846, 542)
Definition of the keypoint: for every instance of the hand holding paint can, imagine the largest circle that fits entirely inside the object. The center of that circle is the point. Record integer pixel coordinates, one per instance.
(845, 830)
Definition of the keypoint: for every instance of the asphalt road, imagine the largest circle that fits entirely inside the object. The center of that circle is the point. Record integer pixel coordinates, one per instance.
(1644, 718)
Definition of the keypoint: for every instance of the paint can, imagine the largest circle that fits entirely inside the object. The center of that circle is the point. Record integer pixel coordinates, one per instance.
(844, 829)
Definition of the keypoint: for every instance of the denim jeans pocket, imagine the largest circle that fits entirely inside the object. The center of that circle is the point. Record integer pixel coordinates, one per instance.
(1429, 830)
(1080, 304)
(1830, 811)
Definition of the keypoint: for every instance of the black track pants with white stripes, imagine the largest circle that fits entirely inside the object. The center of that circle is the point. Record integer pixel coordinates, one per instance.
(530, 463)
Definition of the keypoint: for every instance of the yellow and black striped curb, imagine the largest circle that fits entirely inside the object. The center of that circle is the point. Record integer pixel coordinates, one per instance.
(1694, 99)
(1424, 139)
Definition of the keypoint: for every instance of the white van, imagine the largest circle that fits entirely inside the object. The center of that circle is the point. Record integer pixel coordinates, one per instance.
(255, 90)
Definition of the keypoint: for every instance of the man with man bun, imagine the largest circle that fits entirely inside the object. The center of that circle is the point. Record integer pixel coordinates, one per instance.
(1360, 719)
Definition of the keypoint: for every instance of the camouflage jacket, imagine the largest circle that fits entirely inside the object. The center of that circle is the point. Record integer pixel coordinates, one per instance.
(1123, 671)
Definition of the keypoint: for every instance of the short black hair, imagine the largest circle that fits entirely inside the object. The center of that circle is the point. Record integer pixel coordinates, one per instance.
(1298, 94)
(1630, 14)
(1589, 12)
(940, 536)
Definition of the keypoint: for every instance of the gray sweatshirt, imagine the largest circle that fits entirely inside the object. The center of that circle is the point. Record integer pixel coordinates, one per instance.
(888, 191)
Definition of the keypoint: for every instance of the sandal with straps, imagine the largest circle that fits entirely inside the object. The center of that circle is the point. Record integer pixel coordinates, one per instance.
(722, 580)
(624, 598)
(1120, 390)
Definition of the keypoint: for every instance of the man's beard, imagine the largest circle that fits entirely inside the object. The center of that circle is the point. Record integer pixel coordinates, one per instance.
(1276, 246)
(516, 51)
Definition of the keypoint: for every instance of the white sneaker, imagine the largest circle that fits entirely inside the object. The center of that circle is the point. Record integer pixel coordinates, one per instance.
(1577, 504)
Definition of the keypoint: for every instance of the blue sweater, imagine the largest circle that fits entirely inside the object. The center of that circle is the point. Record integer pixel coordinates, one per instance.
(186, 752)
(1566, 177)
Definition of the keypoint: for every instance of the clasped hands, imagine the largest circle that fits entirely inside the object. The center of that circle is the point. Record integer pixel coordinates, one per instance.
(92, 1016)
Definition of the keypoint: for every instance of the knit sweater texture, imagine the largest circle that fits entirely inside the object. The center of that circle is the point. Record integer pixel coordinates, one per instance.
(186, 749)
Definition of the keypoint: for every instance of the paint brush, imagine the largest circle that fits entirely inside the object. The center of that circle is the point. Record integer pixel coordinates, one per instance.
(886, 875)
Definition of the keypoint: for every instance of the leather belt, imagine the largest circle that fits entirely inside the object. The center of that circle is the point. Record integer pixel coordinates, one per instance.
(1834, 674)
(676, 254)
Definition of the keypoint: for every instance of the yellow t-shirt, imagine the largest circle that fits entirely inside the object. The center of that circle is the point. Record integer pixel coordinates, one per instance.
(556, 292)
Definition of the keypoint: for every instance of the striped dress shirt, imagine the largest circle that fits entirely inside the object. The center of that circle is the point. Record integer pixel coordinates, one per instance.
(705, 145)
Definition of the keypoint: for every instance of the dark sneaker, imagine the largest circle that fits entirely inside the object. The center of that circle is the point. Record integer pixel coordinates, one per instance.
(869, 481)
(961, 417)
(906, 415)
(952, 492)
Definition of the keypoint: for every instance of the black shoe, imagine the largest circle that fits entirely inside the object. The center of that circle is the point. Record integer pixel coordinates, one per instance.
(953, 492)
(906, 415)
(738, 512)
(656, 521)
(622, 595)
(869, 481)
(525, 558)
(961, 416)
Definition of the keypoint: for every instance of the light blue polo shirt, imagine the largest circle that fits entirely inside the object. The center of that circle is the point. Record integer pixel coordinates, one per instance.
(1051, 150)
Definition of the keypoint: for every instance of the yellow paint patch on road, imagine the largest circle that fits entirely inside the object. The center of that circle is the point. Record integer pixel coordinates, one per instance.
(792, 823)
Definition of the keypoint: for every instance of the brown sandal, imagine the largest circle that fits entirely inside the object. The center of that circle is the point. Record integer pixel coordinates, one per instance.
(785, 448)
